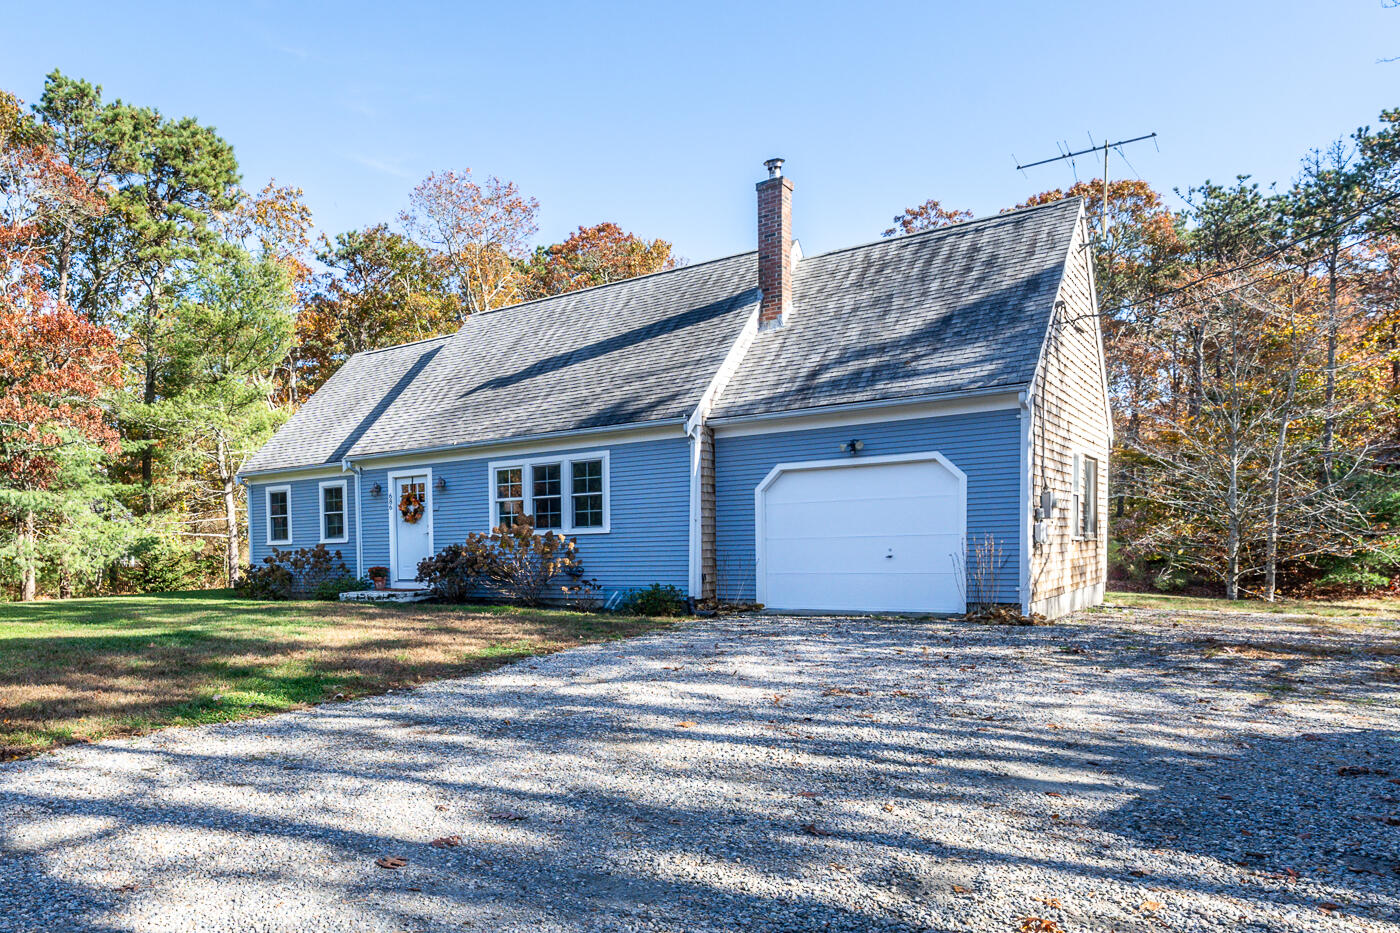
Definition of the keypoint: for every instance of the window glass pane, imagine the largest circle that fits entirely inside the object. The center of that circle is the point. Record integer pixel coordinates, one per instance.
(546, 495)
(334, 498)
(508, 510)
(588, 511)
(508, 483)
(335, 524)
(587, 493)
(277, 503)
(588, 476)
(279, 528)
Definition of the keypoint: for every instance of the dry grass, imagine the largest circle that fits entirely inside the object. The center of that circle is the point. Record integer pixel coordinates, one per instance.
(79, 670)
(1358, 608)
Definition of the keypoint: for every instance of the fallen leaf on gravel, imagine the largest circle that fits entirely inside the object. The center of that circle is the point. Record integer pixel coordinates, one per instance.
(685, 725)
(1310, 737)
(1053, 793)
(1051, 902)
(1150, 906)
(812, 829)
(446, 842)
(125, 888)
(839, 867)
(1358, 770)
(1138, 873)
(1328, 906)
(1037, 925)
(807, 793)
(508, 816)
(1392, 821)
(959, 889)
(441, 806)
(1053, 725)
(888, 808)
(391, 862)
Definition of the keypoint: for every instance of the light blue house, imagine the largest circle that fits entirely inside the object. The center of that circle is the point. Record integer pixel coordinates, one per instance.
(906, 425)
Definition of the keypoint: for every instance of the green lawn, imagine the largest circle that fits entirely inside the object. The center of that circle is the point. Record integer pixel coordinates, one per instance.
(1359, 608)
(82, 669)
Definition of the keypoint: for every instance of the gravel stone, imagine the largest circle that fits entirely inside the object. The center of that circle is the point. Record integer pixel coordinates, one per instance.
(1125, 770)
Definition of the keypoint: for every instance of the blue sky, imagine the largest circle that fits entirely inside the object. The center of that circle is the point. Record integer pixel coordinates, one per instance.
(658, 116)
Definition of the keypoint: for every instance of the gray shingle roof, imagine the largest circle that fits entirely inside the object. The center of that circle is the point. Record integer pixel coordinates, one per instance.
(330, 423)
(955, 310)
(959, 309)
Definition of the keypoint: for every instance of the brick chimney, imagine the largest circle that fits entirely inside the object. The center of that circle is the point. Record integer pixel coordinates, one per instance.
(774, 246)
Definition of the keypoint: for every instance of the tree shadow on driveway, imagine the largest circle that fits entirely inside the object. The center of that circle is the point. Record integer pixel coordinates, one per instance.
(746, 774)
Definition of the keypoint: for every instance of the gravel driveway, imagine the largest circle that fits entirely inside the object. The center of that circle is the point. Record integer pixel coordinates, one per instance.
(1124, 771)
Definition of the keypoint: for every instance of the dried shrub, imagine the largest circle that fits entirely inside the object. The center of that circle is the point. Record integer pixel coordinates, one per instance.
(284, 574)
(512, 562)
(453, 573)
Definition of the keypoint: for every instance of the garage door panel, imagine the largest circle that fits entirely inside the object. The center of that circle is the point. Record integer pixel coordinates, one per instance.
(909, 514)
(869, 553)
(861, 592)
(864, 535)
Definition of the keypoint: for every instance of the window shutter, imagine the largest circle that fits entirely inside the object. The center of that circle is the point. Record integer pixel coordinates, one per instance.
(1076, 484)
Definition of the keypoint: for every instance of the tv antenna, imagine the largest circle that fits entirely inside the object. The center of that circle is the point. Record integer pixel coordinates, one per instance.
(1105, 146)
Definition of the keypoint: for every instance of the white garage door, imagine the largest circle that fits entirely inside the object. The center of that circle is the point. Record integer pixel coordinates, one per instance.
(877, 534)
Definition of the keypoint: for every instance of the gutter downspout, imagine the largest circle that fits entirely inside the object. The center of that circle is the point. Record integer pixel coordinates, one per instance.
(1026, 417)
(346, 465)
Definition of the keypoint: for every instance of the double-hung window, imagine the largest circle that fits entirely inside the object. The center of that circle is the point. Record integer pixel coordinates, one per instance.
(1086, 496)
(333, 526)
(567, 494)
(279, 515)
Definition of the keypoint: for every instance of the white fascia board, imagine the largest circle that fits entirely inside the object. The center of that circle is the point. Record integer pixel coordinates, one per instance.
(726, 371)
(867, 413)
(320, 471)
(525, 446)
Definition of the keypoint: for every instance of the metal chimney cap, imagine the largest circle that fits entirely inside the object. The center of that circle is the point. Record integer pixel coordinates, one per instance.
(775, 168)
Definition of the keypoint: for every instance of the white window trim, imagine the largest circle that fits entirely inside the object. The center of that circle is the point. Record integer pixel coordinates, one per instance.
(344, 510)
(1079, 496)
(393, 503)
(566, 480)
(267, 513)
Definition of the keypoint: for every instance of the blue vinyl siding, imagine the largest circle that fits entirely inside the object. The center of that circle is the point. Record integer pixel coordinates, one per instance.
(648, 538)
(305, 511)
(984, 445)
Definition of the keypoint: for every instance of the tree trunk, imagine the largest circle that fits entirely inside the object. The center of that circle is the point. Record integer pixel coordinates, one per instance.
(1329, 424)
(65, 263)
(230, 515)
(29, 584)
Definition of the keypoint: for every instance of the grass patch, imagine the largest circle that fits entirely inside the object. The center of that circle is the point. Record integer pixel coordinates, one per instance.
(1359, 608)
(83, 669)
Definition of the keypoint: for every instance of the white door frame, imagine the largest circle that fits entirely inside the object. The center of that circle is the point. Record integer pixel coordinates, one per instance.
(393, 518)
(760, 573)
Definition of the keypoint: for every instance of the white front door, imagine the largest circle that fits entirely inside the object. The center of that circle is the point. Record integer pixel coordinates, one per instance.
(413, 541)
(862, 535)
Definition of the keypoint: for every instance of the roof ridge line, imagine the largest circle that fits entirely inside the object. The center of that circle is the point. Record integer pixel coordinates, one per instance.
(946, 230)
(400, 346)
(635, 278)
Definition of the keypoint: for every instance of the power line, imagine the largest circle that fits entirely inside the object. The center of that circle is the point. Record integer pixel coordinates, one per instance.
(1249, 264)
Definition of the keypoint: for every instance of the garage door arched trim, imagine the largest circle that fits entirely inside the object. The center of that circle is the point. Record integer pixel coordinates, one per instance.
(762, 563)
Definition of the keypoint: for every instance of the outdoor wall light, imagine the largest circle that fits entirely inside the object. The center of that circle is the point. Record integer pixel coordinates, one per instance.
(440, 485)
(375, 490)
(852, 447)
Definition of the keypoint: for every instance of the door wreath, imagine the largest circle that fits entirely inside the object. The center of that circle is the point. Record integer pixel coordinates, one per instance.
(411, 506)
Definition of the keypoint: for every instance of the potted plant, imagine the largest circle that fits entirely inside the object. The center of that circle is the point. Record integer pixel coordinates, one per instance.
(380, 577)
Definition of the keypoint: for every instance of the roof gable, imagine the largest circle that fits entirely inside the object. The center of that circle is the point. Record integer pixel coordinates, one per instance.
(960, 309)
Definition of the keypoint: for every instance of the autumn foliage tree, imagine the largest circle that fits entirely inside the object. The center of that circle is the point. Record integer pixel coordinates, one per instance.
(596, 255)
(56, 366)
(478, 234)
(929, 215)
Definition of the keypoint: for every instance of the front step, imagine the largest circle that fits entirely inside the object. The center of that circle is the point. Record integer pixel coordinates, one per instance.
(386, 596)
